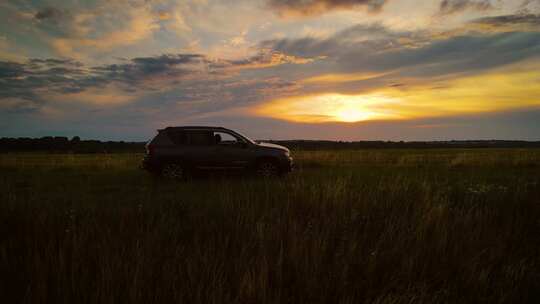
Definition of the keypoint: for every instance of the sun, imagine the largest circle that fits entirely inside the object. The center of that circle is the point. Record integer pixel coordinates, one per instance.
(347, 109)
(352, 114)
(331, 108)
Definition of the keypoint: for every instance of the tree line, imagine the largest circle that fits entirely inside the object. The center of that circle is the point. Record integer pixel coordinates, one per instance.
(348, 145)
(63, 144)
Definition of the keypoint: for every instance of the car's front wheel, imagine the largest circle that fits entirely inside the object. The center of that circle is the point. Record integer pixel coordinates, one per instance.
(173, 171)
(267, 169)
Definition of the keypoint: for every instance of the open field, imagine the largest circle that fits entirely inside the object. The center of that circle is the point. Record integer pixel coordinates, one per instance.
(367, 226)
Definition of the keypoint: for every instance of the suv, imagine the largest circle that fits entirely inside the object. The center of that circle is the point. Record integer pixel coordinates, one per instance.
(177, 151)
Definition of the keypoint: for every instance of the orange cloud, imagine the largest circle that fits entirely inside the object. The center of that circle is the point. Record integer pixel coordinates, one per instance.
(338, 78)
(109, 96)
(140, 26)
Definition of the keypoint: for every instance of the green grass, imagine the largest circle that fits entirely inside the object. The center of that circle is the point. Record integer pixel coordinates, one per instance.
(371, 226)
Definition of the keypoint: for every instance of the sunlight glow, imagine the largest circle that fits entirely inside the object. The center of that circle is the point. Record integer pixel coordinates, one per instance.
(331, 108)
(505, 89)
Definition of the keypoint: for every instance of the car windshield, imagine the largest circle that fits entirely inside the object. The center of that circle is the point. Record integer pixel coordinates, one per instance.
(245, 137)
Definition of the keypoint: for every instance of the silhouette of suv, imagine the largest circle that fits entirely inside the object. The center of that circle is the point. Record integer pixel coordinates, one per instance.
(176, 152)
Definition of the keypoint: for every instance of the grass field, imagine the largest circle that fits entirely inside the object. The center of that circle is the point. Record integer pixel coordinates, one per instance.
(371, 226)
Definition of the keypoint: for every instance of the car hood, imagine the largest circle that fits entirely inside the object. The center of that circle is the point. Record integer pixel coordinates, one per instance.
(269, 145)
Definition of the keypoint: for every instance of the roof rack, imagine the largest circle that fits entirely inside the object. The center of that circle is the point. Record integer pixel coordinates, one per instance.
(193, 127)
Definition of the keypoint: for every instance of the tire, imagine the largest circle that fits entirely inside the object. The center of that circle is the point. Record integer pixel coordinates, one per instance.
(267, 169)
(173, 171)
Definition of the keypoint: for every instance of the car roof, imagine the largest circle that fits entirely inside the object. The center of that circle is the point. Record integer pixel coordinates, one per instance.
(194, 128)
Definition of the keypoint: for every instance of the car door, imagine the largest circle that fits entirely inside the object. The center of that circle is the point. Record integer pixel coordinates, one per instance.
(198, 151)
(231, 152)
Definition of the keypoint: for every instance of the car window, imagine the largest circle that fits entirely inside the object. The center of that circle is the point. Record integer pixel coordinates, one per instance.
(161, 139)
(178, 137)
(224, 138)
(200, 138)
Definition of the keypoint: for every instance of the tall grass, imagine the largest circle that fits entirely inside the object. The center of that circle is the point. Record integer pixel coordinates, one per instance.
(373, 226)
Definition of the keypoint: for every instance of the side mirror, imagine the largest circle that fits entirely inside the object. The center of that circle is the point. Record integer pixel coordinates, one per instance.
(243, 144)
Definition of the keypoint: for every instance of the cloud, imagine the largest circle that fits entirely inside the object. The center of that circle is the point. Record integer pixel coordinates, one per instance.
(22, 84)
(139, 69)
(513, 23)
(38, 81)
(507, 23)
(263, 59)
(127, 26)
(527, 3)
(161, 80)
(73, 30)
(461, 54)
(48, 13)
(105, 95)
(448, 7)
(359, 58)
(419, 54)
(368, 38)
(17, 105)
(317, 7)
(30, 80)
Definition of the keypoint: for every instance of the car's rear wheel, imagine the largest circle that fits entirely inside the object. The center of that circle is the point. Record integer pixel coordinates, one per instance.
(173, 171)
(267, 169)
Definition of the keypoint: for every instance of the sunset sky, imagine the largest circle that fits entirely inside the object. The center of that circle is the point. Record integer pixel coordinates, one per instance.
(272, 69)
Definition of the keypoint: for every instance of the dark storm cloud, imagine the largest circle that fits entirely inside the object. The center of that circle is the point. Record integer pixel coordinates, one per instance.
(448, 7)
(312, 7)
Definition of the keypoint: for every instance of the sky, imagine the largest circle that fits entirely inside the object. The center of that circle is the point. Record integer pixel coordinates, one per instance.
(272, 69)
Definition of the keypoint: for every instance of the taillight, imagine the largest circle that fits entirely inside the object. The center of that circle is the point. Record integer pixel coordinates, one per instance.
(150, 149)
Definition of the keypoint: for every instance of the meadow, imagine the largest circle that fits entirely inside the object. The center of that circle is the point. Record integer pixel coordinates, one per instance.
(358, 226)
